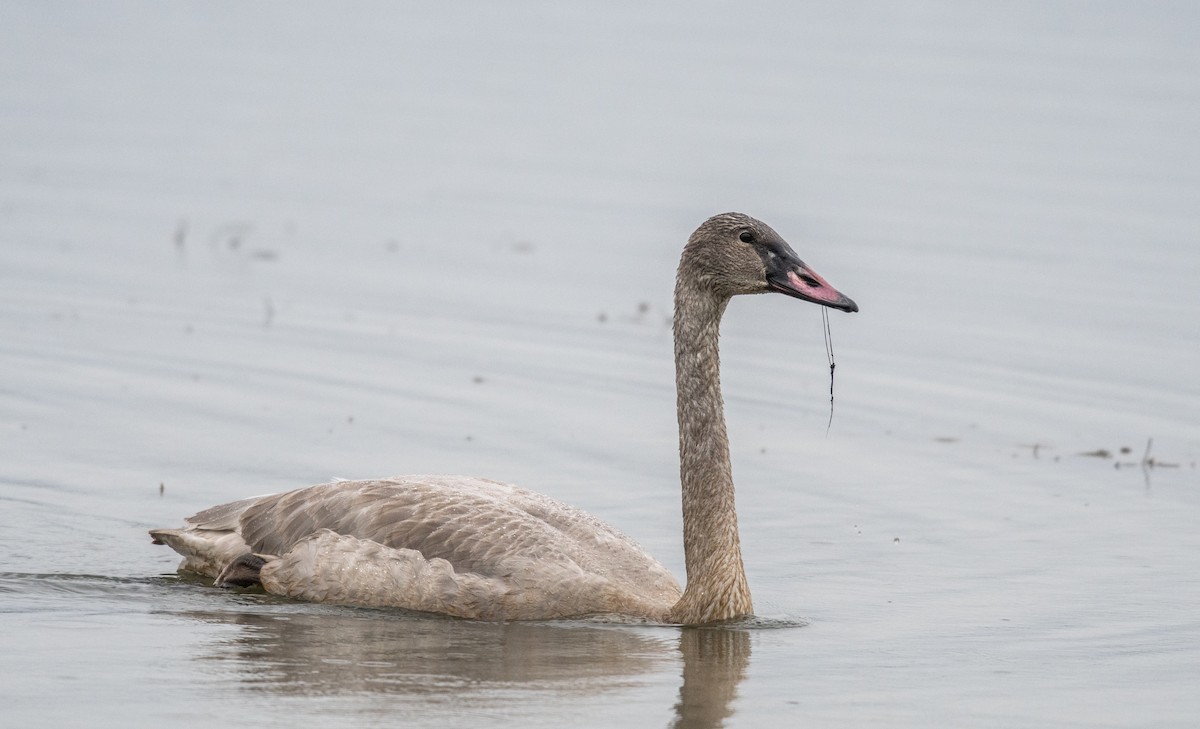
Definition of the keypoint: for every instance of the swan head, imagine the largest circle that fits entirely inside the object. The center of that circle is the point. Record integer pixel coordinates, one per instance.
(733, 253)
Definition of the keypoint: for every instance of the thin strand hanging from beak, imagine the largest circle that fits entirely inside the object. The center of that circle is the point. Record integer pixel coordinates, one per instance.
(832, 364)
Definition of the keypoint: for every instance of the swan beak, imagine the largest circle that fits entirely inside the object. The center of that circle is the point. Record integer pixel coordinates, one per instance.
(796, 279)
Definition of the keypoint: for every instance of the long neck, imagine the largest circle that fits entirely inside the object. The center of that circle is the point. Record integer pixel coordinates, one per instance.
(716, 580)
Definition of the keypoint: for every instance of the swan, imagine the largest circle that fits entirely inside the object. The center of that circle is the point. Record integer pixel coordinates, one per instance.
(479, 549)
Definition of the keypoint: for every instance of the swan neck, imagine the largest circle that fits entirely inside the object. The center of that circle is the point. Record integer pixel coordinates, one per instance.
(716, 579)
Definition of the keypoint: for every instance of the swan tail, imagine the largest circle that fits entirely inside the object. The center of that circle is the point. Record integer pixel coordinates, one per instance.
(204, 552)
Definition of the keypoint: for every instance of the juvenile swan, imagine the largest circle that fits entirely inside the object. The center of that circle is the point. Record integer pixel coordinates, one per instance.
(480, 549)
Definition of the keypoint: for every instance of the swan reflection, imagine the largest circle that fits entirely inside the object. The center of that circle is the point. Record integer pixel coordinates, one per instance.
(714, 663)
(440, 666)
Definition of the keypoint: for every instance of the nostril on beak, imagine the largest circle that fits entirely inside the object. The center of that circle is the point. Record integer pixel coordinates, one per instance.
(810, 281)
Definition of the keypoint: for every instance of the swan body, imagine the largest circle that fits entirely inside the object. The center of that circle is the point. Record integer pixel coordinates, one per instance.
(463, 546)
(480, 549)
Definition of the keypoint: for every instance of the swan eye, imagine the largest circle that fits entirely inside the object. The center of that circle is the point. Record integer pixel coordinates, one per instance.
(746, 236)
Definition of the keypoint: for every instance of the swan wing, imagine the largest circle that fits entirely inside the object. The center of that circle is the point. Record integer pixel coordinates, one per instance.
(476, 524)
(454, 544)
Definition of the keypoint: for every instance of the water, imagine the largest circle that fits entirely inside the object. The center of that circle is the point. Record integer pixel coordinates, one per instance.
(244, 249)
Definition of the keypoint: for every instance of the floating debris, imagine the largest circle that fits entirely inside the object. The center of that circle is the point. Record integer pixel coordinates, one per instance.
(1148, 461)
(1035, 448)
(832, 365)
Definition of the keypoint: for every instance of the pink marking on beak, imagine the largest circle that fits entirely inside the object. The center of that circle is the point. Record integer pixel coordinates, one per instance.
(816, 289)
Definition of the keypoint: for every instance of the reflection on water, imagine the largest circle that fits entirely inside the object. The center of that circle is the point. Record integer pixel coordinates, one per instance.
(714, 663)
(343, 651)
(334, 653)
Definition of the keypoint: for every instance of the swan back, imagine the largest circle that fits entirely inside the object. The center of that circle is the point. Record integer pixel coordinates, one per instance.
(453, 544)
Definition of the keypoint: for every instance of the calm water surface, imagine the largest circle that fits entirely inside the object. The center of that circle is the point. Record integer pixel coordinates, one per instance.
(248, 249)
